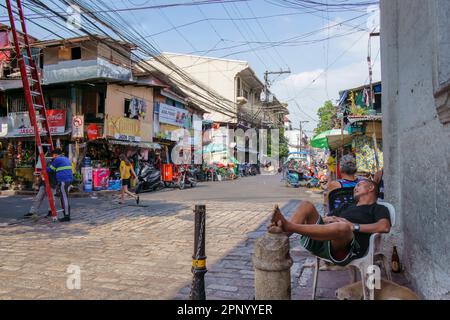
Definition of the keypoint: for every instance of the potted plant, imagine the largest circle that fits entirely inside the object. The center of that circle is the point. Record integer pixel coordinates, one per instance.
(7, 180)
(77, 181)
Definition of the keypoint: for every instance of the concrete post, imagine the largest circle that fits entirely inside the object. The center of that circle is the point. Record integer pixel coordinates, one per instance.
(272, 264)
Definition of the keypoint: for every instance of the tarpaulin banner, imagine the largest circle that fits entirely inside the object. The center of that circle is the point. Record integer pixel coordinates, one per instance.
(21, 124)
(174, 116)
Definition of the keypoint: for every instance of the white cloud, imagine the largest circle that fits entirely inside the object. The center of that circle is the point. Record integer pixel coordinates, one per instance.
(311, 95)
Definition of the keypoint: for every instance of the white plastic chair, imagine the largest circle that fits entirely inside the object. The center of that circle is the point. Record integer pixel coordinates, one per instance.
(373, 254)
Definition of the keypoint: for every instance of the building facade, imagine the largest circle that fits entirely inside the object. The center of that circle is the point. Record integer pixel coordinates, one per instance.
(88, 81)
(415, 47)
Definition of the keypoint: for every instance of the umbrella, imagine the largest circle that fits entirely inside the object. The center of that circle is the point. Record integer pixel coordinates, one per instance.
(322, 140)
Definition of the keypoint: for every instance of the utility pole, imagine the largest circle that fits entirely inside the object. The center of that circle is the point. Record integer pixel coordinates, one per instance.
(369, 61)
(372, 96)
(267, 84)
(301, 134)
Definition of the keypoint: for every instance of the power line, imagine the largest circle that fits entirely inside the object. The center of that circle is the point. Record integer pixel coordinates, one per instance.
(162, 6)
(243, 36)
(217, 99)
(266, 36)
(328, 67)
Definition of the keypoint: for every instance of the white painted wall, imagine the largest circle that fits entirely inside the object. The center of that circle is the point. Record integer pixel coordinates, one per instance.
(416, 143)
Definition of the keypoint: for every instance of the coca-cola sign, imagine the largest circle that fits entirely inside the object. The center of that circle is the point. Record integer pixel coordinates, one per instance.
(93, 131)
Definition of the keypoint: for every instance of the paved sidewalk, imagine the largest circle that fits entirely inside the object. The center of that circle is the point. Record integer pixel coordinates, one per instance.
(145, 252)
(129, 252)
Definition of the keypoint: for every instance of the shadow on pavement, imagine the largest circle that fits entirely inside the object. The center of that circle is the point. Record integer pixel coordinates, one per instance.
(87, 214)
(233, 276)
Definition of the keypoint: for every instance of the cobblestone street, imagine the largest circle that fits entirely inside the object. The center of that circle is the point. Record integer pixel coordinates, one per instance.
(145, 251)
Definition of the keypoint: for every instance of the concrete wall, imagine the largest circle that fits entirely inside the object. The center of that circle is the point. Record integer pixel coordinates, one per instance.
(416, 142)
(115, 100)
(220, 76)
(217, 74)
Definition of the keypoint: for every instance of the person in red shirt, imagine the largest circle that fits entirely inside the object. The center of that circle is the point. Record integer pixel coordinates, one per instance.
(158, 163)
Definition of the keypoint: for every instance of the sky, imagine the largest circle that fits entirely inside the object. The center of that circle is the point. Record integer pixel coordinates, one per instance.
(324, 48)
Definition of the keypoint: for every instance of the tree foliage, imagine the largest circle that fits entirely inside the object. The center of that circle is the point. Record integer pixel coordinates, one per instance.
(284, 148)
(325, 114)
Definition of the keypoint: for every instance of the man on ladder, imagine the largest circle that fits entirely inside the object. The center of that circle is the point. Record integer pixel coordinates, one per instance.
(62, 166)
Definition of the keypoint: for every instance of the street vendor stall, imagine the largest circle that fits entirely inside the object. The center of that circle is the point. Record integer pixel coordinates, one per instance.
(367, 143)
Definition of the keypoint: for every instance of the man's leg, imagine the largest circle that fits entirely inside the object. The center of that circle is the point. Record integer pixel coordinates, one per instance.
(64, 199)
(304, 222)
(66, 189)
(306, 214)
(37, 200)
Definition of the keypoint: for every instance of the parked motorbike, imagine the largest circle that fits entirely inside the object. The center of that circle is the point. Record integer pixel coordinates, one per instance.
(211, 173)
(249, 171)
(293, 179)
(149, 178)
(255, 170)
(187, 177)
(241, 169)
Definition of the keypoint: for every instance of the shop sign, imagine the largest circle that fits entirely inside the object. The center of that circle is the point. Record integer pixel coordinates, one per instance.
(21, 124)
(127, 138)
(174, 116)
(78, 127)
(123, 127)
(93, 131)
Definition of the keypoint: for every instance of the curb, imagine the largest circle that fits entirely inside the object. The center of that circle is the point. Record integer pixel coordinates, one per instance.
(72, 195)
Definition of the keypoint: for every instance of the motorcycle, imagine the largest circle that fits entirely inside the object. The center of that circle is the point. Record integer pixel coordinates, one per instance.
(149, 179)
(187, 177)
(241, 168)
(249, 170)
(254, 169)
(293, 179)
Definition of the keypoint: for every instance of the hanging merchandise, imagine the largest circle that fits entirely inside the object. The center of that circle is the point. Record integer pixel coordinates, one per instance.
(366, 97)
(142, 108)
(352, 99)
(134, 108)
(58, 143)
(359, 99)
(19, 154)
(366, 162)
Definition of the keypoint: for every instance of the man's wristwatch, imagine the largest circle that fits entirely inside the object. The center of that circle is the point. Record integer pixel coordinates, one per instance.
(356, 227)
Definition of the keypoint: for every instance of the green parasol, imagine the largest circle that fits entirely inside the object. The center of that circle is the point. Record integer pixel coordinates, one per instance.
(322, 139)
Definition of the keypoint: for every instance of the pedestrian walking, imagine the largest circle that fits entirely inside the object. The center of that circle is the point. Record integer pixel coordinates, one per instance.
(62, 167)
(126, 174)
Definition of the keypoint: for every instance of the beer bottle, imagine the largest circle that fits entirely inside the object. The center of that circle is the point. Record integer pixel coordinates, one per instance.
(395, 261)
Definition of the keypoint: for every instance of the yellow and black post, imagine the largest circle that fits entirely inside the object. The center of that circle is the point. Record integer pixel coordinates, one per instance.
(199, 258)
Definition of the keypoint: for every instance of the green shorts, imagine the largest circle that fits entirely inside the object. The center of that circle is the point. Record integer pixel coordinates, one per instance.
(322, 249)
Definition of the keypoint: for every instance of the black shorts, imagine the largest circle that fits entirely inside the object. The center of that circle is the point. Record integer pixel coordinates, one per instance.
(126, 182)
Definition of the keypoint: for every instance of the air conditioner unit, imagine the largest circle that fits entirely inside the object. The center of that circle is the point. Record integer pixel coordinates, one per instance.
(241, 100)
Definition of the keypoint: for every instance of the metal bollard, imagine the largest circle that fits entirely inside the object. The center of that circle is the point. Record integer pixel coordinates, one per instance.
(199, 258)
(272, 264)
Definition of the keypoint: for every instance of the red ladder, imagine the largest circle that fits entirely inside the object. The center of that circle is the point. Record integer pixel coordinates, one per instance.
(33, 96)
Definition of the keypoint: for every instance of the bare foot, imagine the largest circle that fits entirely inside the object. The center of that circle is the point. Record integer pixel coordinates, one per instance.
(278, 222)
(277, 215)
(274, 228)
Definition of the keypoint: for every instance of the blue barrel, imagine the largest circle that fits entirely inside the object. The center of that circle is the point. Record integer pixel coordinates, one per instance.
(87, 162)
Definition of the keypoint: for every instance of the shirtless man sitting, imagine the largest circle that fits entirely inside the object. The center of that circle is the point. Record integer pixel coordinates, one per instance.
(342, 237)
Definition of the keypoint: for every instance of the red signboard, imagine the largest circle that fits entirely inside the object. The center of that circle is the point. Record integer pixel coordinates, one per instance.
(21, 124)
(56, 120)
(93, 131)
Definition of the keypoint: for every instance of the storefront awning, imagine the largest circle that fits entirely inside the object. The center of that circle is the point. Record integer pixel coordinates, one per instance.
(145, 145)
(28, 136)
